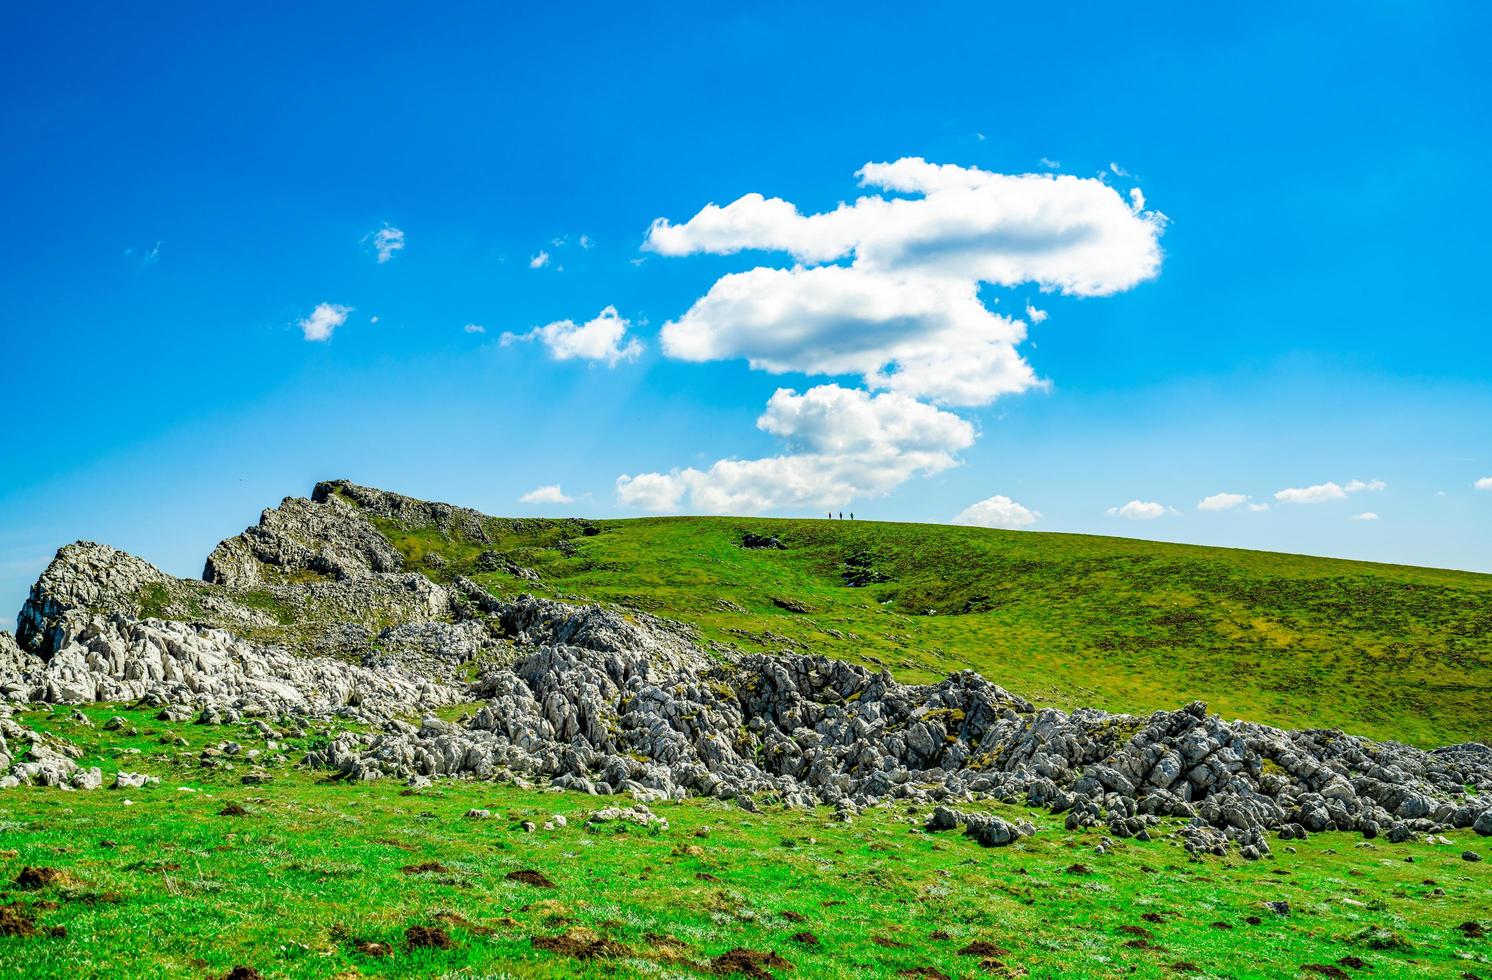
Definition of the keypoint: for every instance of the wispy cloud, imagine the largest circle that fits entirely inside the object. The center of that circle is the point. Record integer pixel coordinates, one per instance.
(539, 261)
(326, 318)
(1320, 493)
(1485, 483)
(1366, 515)
(474, 328)
(386, 241)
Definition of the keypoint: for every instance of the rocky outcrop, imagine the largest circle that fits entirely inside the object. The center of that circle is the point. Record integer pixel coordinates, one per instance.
(118, 659)
(460, 522)
(608, 701)
(302, 538)
(805, 730)
(83, 575)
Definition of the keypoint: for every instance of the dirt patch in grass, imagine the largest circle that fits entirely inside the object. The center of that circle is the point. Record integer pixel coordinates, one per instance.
(374, 949)
(428, 867)
(980, 947)
(17, 920)
(1472, 930)
(529, 877)
(582, 944)
(754, 963)
(233, 810)
(886, 942)
(1353, 962)
(793, 916)
(1079, 869)
(1325, 970)
(427, 937)
(243, 973)
(666, 948)
(924, 973)
(30, 879)
(805, 938)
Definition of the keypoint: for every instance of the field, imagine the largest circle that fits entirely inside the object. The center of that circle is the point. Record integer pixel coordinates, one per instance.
(316, 878)
(1388, 651)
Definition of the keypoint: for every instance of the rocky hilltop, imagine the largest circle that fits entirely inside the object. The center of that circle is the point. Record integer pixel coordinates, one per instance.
(317, 613)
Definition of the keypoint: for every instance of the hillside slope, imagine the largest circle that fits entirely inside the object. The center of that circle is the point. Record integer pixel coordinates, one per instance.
(1389, 651)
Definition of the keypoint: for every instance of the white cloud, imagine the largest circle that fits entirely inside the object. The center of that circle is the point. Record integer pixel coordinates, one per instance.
(905, 313)
(1366, 515)
(1222, 501)
(587, 242)
(842, 444)
(1317, 494)
(600, 339)
(1051, 164)
(1485, 483)
(1260, 507)
(913, 336)
(323, 320)
(474, 328)
(1320, 493)
(997, 511)
(550, 494)
(1136, 199)
(386, 240)
(650, 491)
(1035, 315)
(1118, 170)
(539, 261)
(1139, 510)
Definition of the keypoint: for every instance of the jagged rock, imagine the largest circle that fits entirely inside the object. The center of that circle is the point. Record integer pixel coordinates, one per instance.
(118, 659)
(326, 537)
(134, 780)
(753, 540)
(1483, 824)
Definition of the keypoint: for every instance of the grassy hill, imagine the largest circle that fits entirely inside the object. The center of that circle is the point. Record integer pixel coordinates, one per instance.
(1383, 650)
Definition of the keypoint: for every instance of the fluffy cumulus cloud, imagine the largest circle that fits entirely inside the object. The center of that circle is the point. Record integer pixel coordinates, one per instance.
(905, 312)
(551, 494)
(601, 339)
(323, 320)
(1321, 493)
(997, 511)
(539, 261)
(1485, 483)
(1222, 501)
(1140, 510)
(386, 241)
(841, 444)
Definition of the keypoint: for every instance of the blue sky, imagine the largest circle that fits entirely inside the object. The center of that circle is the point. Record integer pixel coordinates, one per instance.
(187, 184)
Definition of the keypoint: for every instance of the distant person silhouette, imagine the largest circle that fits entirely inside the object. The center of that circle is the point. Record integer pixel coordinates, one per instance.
(852, 515)
(841, 515)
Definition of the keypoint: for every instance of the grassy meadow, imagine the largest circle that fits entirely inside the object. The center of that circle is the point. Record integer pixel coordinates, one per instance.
(319, 879)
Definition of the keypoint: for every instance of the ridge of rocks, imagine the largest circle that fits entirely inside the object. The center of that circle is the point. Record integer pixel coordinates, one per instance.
(606, 701)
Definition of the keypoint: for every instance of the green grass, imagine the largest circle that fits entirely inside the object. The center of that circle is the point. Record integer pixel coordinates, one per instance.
(168, 887)
(1067, 620)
